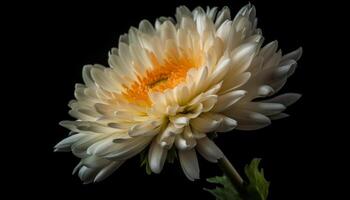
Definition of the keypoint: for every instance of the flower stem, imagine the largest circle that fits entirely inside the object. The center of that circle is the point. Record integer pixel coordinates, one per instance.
(237, 181)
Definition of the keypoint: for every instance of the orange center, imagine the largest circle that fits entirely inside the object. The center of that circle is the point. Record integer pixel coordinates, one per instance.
(165, 75)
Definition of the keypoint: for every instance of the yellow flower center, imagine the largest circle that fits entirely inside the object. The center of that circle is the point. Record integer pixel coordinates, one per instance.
(165, 75)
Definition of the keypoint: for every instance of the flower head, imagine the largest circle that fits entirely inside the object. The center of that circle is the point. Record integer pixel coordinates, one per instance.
(170, 85)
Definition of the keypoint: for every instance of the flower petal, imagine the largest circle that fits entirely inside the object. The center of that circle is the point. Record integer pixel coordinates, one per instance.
(232, 83)
(208, 149)
(87, 76)
(146, 27)
(294, 55)
(227, 124)
(227, 100)
(95, 162)
(107, 171)
(223, 15)
(156, 157)
(248, 120)
(167, 137)
(69, 141)
(189, 163)
(183, 143)
(150, 128)
(179, 121)
(242, 57)
(204, 124)
(264, 91)
(286, 99)
(119, 149)
(87, 174)
(265, 108)
(278, 116)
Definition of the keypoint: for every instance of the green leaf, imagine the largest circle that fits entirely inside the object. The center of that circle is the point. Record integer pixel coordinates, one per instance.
(144, 161)
(256, 188)
(172, 155)
(226, 191)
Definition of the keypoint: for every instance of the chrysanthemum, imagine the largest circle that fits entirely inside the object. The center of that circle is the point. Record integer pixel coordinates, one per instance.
(170, 85)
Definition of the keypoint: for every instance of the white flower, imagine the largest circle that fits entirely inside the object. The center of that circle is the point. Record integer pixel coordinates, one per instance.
(171, 84)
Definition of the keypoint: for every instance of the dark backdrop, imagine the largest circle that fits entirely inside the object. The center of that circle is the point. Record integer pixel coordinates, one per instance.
(64, 37)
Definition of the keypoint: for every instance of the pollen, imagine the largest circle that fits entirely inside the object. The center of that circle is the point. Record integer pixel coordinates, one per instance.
(164, 75)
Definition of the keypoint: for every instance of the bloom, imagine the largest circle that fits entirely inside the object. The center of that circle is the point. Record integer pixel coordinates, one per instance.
(171, 84)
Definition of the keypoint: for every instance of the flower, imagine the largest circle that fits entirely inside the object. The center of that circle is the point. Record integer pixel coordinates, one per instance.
(170, 85)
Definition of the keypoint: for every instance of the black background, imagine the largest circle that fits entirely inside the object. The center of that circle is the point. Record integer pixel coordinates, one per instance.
(58, 39)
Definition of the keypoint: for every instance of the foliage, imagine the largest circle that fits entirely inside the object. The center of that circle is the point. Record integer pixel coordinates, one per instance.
(256, 188)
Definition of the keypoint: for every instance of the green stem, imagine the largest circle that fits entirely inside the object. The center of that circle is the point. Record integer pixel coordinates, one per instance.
(237, 181)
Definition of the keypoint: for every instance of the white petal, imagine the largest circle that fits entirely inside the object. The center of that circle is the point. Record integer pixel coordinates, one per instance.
(214, 89)
(228, 99)
(133, 36)
(182, 94)
(84, 114)
(167, 31)
(125, 149)
(107, 171)
(209, 103)
(179, 121)
(102, 78)
(189, 163)
(265, 90)
(224, 31)
(243, 11)
(95, 162)
(102, 146)
(156, 157)
(223, 15)
(202, 23)
(167, 137)
(69, 141)
(248, 120)
(145, 128)
(211, 13)
(204, 124)
(294, 55)
(293, 65)
(188, 133)
(278, 84)
(227, 124)
(268, 50)
(282, 72)
(77, 167)
(87, 174)
(265, 108)
(141, 60)
(286, 99)
(220, 71)
(232, 83)
(158, 99)
(80, 147)
(208, 149)
(146, 27)
(278, 116)
(274, 60)
(242, 57)
(105, 109)
(124, 38)
(87, 76)
(88, 127)
(210, 93)
(181, 12)
(184, 144)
